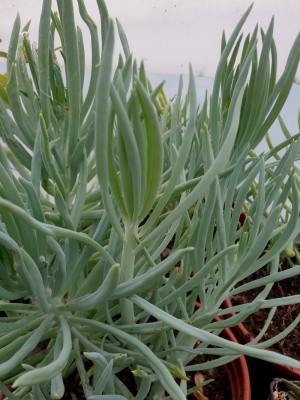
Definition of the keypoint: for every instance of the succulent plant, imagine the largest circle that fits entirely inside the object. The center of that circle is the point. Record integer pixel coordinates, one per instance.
(119, 209)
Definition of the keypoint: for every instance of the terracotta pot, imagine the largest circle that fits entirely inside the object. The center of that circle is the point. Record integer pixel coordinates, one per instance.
(238, 373)
(245, 336)
(237, 370)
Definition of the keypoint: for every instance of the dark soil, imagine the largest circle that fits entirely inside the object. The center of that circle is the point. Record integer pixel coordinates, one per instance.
(283, 317)
(73, 386)
(219, 389)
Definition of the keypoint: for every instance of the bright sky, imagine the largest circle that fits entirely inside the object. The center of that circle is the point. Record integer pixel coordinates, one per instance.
(168, 34)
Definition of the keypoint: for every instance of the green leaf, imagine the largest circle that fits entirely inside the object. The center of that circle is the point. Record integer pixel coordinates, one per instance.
(123, 39)
(293, 387)
(43, 59)
(102, 128)
(154, 149)
(18, 356)
(95, 59)
(131, 164)
(3, 93)
(102, 294)
(44, 374)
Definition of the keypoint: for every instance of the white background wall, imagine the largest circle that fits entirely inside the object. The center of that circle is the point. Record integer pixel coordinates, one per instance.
(168, 34)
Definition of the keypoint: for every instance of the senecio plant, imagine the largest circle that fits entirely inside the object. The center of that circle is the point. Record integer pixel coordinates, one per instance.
(120, 210)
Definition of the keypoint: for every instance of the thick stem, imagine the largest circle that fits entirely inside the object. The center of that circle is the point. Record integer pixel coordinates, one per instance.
(127, 271)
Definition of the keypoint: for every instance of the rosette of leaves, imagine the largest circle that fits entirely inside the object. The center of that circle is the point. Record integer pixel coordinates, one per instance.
(95, 185)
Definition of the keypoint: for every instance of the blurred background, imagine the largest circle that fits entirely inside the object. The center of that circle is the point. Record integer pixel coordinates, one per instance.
(170, 34)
